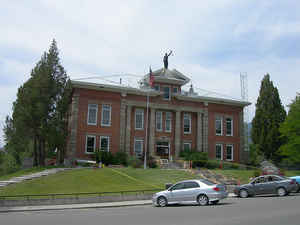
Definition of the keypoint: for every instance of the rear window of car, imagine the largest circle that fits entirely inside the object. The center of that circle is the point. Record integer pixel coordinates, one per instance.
(207, 182)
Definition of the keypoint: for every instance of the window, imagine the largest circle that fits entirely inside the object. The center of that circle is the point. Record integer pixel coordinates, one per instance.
(178, 186)
(104, 143)
(92, 114)
(191, 185)
(175, 90)
(187, 123)
(168, 124)
(138, 147)
(219, 151)
(90, 144)
(229, 152)
(229, 127)
(187, 146)
(106, 115)
(156, 87)
(166, 92)
(159, 121)
(139, 119)
(219, 125)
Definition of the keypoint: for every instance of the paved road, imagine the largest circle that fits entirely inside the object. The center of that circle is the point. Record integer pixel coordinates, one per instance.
(260, 210)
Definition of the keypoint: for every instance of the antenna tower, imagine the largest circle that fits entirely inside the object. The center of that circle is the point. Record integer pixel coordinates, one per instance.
(244, 95)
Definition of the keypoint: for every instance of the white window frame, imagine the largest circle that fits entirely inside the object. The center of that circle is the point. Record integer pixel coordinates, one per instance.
(187, 143)
(163, 87)
(231, 125)
(229, 145)
(102, 116)
(141, 140)
(168, 120)
(108, 144)
(86, 141)
(218, 144)
(137, 111)
(190, 123)
(89, 107)
(160, 121)
(219, 118)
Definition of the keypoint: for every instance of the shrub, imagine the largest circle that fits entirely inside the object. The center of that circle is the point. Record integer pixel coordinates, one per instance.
(135, 162)
(121, 158)
(212, 164)
(9, 164)
(199, 163)
(256, 173)
(151, 162)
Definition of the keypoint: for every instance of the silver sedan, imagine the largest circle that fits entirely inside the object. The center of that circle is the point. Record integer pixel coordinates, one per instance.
(200, 191)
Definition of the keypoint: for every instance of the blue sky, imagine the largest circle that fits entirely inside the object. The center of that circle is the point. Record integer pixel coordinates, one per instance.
(213, 42)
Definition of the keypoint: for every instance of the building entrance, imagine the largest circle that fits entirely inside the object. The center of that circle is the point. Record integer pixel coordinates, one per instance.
(163, 149)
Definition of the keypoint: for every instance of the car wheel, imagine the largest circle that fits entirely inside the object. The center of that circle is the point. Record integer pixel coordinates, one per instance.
(215, 202)
(202, 200)
(162, 201)
(243, 193)
(298, 190)
(281, 191)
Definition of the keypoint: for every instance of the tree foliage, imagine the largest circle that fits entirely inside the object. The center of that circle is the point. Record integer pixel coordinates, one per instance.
(39, 115)
(290, 130)
(269, 115)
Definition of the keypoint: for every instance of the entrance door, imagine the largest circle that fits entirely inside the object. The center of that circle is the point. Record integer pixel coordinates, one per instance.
(163, 149)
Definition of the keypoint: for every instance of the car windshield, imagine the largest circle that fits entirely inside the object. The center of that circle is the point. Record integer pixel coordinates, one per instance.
(207, 182)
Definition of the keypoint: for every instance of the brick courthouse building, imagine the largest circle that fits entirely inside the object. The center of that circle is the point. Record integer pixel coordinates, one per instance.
(113, 118)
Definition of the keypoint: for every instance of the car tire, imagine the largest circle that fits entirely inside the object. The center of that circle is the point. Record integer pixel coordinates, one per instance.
(243, 193)
(202, 200)
(162, 201)
(215, 202)
(298, 190)
(281, 192)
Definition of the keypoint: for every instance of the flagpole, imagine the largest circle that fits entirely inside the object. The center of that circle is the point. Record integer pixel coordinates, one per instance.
(146, 139)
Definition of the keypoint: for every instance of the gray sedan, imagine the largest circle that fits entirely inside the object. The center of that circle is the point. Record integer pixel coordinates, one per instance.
(200, 191)
(268, 184)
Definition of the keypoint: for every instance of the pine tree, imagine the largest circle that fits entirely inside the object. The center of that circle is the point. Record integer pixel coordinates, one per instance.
(269, 115)
(290, 130)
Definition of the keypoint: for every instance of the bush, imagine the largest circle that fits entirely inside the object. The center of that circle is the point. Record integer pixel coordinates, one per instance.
(199, 163)
(151, 162)
(256, 173)
(120, 158)
(212, 164)
(135, 162)
(9, 164)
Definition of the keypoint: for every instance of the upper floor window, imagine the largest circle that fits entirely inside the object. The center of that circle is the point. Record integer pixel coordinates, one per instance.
(229, 127)
(168, 124)
(229, 152)
(219, 151)
(166, 90)
(104, 143)
(187, 122)
(106, 115)
(138, 147)
(175, 90)
(139, 119)
(156, 87)
(219, 125)
(90, 143)
(159, 121)
(92, 114)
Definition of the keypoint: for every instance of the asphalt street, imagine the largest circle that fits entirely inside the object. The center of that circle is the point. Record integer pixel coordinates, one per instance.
(260, 210)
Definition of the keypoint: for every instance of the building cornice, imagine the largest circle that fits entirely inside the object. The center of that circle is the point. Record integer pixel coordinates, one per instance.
(212, 100)
(114, 88)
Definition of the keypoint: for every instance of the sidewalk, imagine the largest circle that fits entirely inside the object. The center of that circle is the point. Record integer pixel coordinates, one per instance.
(80, 206)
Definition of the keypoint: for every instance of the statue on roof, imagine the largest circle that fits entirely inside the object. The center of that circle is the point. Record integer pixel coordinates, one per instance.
(166, 59)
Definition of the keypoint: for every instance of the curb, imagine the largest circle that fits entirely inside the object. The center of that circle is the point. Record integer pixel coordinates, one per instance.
(81, 206)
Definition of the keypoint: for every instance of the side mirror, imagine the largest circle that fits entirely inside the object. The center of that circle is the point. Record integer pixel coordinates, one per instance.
(168, 185)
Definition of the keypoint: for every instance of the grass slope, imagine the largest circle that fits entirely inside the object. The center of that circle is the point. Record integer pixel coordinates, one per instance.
(98, 180)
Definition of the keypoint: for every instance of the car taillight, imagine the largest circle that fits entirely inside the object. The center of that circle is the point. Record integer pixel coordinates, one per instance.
(216, 189)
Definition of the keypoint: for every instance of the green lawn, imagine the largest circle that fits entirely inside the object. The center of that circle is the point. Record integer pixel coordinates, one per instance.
(98, 180)
(22, 173)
